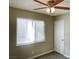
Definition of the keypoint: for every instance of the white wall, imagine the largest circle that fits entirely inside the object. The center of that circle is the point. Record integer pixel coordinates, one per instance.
(67, 34)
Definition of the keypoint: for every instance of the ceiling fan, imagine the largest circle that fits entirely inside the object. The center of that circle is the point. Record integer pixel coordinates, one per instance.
(51, 5)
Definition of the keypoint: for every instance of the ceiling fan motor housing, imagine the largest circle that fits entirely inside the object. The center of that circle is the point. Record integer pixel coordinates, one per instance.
(50, 3)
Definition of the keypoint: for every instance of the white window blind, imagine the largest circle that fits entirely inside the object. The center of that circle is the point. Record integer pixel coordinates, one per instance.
(29, 31)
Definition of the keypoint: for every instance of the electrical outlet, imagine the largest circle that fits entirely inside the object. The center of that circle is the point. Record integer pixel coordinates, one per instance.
(32, 52)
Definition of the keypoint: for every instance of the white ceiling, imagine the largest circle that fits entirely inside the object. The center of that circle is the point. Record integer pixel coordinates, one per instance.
(31, 5)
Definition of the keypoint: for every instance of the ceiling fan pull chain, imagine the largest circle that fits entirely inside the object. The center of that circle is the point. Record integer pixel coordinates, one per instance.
(50, 10)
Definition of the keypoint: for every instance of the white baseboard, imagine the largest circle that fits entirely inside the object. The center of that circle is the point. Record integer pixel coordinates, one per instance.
(41, 54)
(63, 54)
(67, 56)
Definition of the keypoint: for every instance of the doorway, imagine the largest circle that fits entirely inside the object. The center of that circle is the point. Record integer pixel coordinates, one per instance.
(59, 36)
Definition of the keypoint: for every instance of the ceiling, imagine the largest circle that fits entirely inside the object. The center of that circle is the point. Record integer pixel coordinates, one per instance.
(31, 5)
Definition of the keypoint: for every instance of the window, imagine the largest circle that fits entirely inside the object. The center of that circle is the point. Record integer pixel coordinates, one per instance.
(29, 31)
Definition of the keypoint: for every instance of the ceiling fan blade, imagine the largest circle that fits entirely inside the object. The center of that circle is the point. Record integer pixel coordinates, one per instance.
(64, 8)
(40, 2)
(57, 2)
(40, 8)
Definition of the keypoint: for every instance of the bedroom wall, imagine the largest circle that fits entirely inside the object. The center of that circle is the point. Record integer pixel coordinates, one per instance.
(66, 19)
(23, 52)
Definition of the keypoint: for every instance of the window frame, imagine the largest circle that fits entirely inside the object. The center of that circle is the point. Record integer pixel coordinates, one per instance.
(22, 44)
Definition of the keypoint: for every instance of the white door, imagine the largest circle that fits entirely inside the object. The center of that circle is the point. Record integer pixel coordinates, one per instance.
(59, 36)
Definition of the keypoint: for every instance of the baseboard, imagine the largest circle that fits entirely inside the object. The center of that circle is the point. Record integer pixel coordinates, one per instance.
(41, 54)
(66, 56)
(63, 54)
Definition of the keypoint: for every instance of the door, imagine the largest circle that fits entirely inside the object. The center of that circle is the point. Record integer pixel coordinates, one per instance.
(59, 36)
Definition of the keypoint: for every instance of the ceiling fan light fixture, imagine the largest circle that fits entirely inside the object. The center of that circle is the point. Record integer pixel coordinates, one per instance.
(50, 10)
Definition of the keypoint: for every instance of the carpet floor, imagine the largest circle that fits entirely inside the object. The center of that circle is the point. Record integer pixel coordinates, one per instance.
(52, 55)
